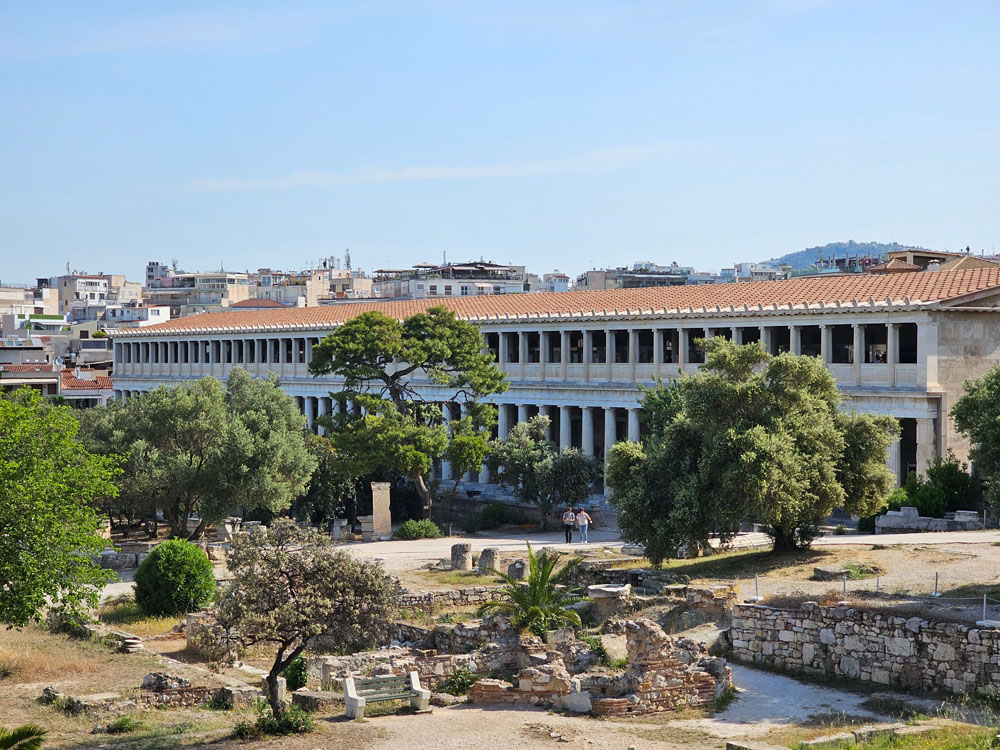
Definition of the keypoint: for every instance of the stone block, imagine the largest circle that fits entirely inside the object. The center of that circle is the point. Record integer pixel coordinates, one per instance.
(317, 700)
(240, 696)
(461, 556)
(831, 741)
(517, 570)
(282, 690)
(489, 560)
(577, 702)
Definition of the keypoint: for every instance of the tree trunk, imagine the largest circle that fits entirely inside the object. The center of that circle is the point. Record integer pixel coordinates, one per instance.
(199, 530)
(272, 691)
(424, 493)
(784, 540)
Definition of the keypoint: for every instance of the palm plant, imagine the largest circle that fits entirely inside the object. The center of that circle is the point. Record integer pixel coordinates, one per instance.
(542, 601)
(27, 737)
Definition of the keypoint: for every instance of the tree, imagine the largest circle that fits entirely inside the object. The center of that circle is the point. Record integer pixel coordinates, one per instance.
(25, 737)
(537, 472)
(749, 437)
(290, 585)
(977, 416)
(381, 360)
(49, 484)
(331, 490)
(174, 579)
(541, 602)
(210, 448)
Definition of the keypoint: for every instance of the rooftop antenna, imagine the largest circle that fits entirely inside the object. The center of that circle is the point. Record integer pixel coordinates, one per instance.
(347, 259)
(444, 257)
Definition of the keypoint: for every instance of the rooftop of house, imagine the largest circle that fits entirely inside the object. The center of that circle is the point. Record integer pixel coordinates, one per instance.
(894, 265)
(866, 290)
(85, 378)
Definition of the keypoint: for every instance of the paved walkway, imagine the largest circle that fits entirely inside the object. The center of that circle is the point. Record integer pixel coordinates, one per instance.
(924, 537)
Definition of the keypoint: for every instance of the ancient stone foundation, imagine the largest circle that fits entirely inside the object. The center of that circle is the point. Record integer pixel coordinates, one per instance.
(871, 647)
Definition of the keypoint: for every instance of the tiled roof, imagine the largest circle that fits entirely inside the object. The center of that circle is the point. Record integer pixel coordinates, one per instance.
(894, 265)
(876, 289)
(967, 262)
(70, 382)
(29, 367)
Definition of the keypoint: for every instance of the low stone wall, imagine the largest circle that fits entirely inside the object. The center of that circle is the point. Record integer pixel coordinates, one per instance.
(867, 646)
(428, 601)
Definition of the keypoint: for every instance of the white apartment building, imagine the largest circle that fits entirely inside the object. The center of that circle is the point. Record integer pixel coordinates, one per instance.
(897, 344)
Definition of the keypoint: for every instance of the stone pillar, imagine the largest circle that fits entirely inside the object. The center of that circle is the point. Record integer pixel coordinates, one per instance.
(609, 352)
(565, 429)
(309, 407)
(794, 339)
(633, 352)
(522, 413)
(657, 351)
(546, 411)
(765, 338)
(892, 351)
(610, 431)
(543, 353)
(587, 430)
(588, 349)
(503, 424)
(445, 464)
(735, 335)
(563, 353)
(927, 350)
(503, 354)
(461, 556)
(489, 558)
(522, 352)
(467, 477)
(825, 344)
(858, 355)
(517, 570)
(682, 347)
(633, 425)
(892, 462)
(322, 411)
(926, 445)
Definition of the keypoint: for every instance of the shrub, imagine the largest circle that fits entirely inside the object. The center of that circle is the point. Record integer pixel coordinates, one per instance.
(470, 523)
(293, 720)
(124, 725)
(422, 529)
(841, 530)
(174, 579)
(219, 702)
(495, 515)
(458, 682)
(296, 674)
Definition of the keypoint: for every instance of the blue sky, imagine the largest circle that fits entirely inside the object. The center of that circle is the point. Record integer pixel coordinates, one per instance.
(555, 134)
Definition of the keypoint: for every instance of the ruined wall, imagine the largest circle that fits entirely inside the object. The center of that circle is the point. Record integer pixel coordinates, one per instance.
(428, 601)
(867, 646)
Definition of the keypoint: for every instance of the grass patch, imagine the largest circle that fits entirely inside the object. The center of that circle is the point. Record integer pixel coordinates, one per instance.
(962, 737)
(124, 612)
(454, 578)
(7, 669)
(747, 563)
(124, 725)
(726, 697)
(857, 571)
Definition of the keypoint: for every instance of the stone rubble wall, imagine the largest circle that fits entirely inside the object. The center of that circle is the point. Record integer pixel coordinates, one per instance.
(428, 601)
(868, 646)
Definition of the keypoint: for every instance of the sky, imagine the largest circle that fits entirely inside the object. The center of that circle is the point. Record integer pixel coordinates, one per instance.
(558, 135)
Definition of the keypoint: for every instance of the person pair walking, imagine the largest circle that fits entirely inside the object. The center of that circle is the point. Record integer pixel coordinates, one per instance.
(580, 521)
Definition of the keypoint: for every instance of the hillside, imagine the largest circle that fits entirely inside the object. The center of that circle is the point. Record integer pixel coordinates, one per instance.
(809, 256)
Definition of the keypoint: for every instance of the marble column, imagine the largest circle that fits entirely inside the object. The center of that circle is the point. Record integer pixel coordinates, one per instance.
(309, 407)
(445, 464)
(682, 347)
(926, 445)
(610, 430)
(588, 348)
(565, 429)
(633, 425)
(522, 352)
(323, 411)
(657, 351)
(503, 422)
(892, 351)
(522, 413)
(633, 352)
(859, 352)
(563, 353)
(794, 339)
(892, 462)
(503, 354)
(609, 352)
(587, 430)
(825, 344)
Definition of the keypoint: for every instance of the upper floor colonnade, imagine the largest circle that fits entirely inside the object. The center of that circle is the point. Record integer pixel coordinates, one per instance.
(858, 352)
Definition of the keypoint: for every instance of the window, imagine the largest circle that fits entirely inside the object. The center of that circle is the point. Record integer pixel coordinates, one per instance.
(447, 289)
(465, 290)
(433, 289)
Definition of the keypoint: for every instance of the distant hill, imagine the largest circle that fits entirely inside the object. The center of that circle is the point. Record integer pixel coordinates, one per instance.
(809, 256)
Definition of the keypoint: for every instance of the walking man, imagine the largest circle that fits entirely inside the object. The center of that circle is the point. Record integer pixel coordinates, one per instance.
(583, 520)
(569, 518)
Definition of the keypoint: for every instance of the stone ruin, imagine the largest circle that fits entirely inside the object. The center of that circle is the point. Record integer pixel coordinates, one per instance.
(908, 519)
(663, 674)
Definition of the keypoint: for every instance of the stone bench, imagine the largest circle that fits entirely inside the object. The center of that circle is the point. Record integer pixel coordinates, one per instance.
(359, 691)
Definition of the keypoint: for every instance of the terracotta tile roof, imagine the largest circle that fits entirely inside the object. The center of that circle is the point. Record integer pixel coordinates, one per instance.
(967, 262)
(894, 265)
(29, 367)
(70, 382)
(817, 291)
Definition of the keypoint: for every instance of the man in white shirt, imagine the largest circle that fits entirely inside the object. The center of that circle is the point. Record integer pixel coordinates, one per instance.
(583, 520)
(569, 519)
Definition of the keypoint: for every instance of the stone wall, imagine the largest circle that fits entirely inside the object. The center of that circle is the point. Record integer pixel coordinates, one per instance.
(428, 601)
(871, 647)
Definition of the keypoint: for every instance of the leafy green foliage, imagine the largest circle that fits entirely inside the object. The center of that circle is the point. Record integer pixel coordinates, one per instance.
(495, 515)
(977, 415)
(290, 720)
(535, 469)
(330, 490)
(24, 737)
(124, 724)
(379, 357)
(749, 437)
(542, 601)
(175, 578)
(291, 585)
(208, 448)
(423, 528)
(947, 487)
(459, 681)
(49, 484)
(296, 674)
